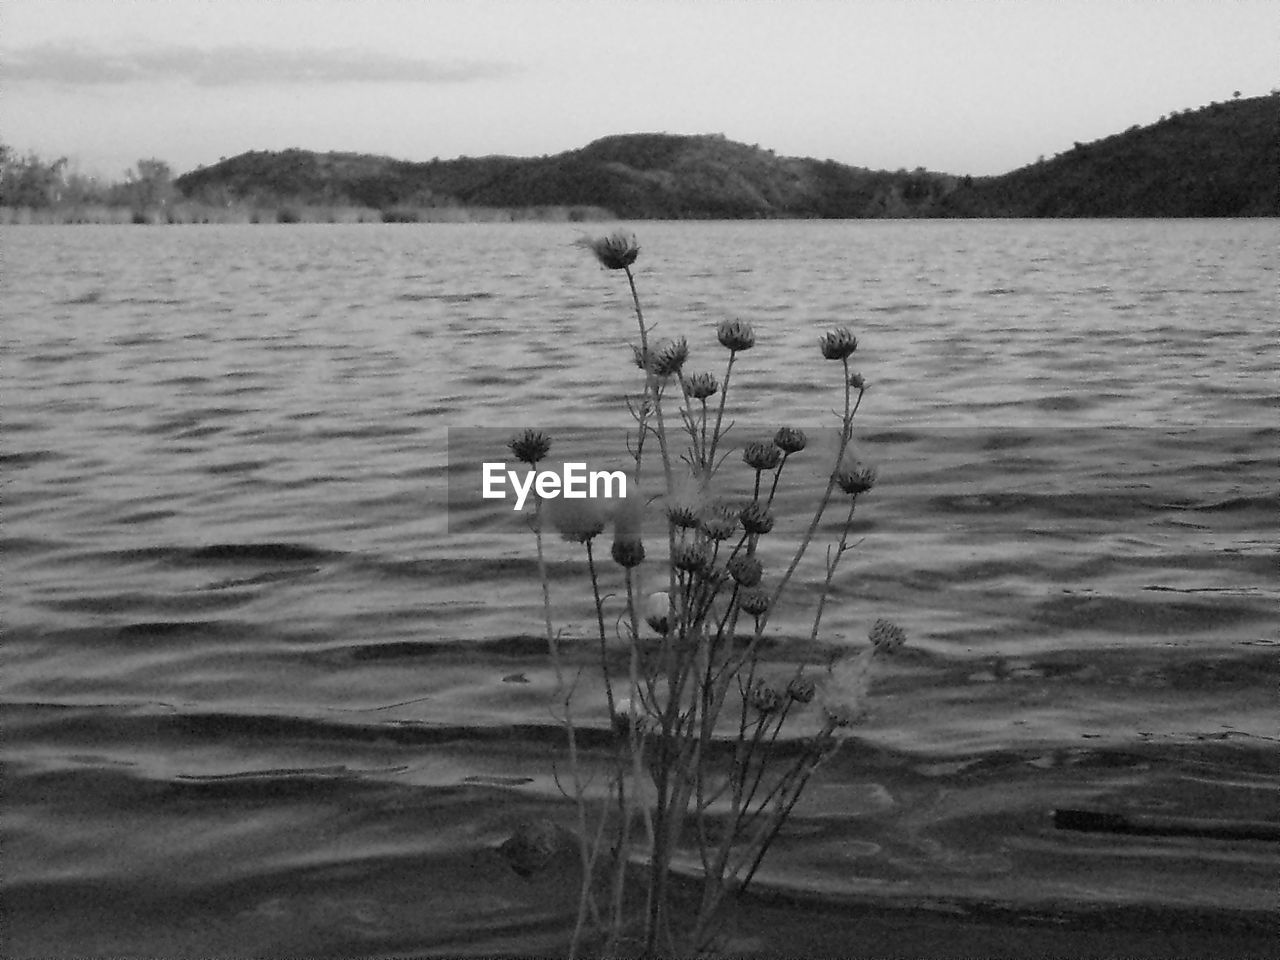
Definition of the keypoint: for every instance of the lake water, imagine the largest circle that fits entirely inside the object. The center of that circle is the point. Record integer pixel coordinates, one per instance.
(265, 694)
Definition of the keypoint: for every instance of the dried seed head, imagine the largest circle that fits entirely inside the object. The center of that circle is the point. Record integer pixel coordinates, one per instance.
(838, 344)
(713, 576)
(761, 455)
(756, 518)
(683, 514)
(577, 519)
(718, 524)
(801, 689)
(628, 521)
(683, 504)
(668, 357)
(745, 570)
(627, 552)
(657, 612)
(530, 447)
(616, 251)
(856, 479)
(765, 698)
(857, 382)
(690, 557)
(886, 636)
(629, 512)
(790, 440)
(754, 602)
(700, 386)
(736, 335)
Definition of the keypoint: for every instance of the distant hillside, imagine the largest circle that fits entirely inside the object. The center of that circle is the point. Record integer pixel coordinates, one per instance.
(637, 176)
(1222, 160)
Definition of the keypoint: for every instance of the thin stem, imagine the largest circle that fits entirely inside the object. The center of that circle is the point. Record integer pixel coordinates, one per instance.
(773, 738)
(777, 475)
(822, 757)
(724, 394)
(604, 655)
(846, 435)
(704, 463)
(832, 561)
(586, 902)
(544, 580)
(635, 299)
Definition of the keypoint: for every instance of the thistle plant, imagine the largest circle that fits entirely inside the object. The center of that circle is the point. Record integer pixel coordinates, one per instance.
(713, 744)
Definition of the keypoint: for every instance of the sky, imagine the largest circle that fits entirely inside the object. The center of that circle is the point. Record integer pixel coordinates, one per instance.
(959, 86)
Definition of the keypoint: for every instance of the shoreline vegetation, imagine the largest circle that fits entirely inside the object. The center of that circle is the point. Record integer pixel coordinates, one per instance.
(1215, 161)
(186, 212)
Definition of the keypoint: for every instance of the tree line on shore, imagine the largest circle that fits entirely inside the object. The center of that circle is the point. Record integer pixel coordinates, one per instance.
(36, 190)
(36, 183)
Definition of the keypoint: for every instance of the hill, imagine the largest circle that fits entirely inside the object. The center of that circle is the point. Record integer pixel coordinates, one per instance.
(636, 176)
(1221, 160)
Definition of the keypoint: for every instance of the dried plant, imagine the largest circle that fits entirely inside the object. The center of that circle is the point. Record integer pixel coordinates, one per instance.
(701, 717)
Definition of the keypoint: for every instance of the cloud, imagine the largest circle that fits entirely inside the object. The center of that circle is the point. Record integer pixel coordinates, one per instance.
(234, 66)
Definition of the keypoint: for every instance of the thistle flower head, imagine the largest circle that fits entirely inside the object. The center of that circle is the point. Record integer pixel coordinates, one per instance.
(657, 612)
(690, 557)
(628, 512)
(761, 455)
(765, 698)
(756, 518)
(668, 357)
(616, 251)
(838, 344)
(713, 576)
(857, 381)
(754, 602)
(684, 504)
(577, 519)
(627, 553)
(700, 386)
(745, 570)
(683, 514)
(801, 689)
(718, 523)
(790, 440)
(856, 479)
(530, 446)
(628, 521)
(886, 636)
(736, 335)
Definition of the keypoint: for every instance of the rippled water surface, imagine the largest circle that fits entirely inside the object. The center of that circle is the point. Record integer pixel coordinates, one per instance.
(264, 694)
